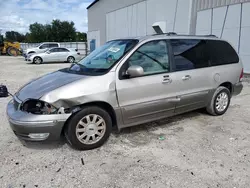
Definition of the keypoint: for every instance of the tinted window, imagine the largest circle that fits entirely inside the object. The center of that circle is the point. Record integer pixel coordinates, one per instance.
(62, 50)
(221, 53)
(44, 46)
(53, 45)
(54, 50)
(152, 57)
(189, 54)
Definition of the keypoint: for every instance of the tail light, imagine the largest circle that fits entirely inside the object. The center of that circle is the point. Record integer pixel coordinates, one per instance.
(241, 75)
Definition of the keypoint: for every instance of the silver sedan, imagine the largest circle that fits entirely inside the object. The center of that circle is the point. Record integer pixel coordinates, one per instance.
(55, 55)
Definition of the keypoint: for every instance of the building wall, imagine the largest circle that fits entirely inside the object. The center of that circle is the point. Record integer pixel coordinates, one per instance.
(97, 15)
(230, 22)
(228, 19)
(131, 18)
(199, 5)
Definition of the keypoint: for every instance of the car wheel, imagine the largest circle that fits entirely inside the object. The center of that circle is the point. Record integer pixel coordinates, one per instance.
(220, 101)
(37, 60)
(12, 51)
(89, 128)
(71, 59)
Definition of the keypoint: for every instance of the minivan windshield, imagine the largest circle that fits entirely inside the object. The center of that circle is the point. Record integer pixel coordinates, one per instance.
(102, 59)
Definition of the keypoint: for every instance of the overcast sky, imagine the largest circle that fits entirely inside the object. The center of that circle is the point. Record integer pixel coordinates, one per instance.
(17, 15)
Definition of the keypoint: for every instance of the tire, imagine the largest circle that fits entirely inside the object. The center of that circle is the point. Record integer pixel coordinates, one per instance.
(214, 106)
(37, 60)
(70, 59)
(93, 137)
(11, 51)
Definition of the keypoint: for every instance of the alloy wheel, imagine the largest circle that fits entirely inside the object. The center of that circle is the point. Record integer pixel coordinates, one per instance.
(90, 129)
(222, 101)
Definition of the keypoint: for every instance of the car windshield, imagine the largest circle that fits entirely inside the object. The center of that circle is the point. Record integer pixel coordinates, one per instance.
(103, 58)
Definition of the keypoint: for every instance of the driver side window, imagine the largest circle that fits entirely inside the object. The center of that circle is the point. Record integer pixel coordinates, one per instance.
(152, 57)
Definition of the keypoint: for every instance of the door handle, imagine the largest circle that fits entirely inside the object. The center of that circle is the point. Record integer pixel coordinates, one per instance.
(187, 77)
(166, 80)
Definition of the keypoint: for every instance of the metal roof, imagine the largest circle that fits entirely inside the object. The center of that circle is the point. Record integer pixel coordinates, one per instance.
(94, 2)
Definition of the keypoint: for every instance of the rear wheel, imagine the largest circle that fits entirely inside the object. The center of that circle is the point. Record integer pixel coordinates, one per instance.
(89, 128)
(71, 59)
(11, 51)
(37, 60)
(220, 101)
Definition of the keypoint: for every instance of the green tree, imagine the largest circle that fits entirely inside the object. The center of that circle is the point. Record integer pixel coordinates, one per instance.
(57, 31)
(37, 32)
(14, 36)
(63, 31)
(81, 37)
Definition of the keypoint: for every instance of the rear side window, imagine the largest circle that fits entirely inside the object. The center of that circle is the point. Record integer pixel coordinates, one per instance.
(44, 46)
(221, 53)
(62, 50)
(52, 45)
(54, 50)
(189, 54)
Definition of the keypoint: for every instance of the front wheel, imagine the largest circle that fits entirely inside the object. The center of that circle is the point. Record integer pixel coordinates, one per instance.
(71, 59)
(88, 129)
(12, 51)
(37, 60)
(220, 101)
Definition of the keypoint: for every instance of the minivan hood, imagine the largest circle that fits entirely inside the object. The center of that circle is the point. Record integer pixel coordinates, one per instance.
(37, 88)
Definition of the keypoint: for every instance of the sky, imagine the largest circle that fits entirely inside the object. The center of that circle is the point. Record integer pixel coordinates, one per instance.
(17, 15)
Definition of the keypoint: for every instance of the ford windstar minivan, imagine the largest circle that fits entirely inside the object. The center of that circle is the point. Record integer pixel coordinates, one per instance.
(127, 82)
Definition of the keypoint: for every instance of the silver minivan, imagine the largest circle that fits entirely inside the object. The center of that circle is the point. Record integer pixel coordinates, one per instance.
(127, 82)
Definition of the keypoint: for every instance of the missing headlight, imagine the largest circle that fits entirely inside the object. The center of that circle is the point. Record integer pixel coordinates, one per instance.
(38, 107)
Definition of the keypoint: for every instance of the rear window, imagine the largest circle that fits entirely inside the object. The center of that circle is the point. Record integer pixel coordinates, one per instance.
(221, 53)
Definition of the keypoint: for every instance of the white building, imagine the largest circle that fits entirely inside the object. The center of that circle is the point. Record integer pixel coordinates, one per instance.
(228, 19)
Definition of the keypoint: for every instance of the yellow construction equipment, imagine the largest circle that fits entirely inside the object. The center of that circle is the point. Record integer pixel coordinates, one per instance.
(9, 48)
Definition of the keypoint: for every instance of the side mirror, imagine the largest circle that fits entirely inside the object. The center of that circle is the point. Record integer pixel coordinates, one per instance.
(135, 71)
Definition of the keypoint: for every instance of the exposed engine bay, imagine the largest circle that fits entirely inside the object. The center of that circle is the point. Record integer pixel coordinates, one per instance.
(40, 107)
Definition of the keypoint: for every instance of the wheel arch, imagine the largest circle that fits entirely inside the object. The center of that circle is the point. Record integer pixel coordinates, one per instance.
(70, 56)
(228, 85)
(37, 56)
(101, 104)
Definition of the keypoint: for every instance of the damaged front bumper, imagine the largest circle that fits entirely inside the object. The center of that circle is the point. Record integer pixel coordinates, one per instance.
(33, 127)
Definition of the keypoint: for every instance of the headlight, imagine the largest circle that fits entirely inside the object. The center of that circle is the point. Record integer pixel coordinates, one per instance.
(38, 107)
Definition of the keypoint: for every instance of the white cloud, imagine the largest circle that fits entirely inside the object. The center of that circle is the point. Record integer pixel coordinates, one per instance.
(19, 14)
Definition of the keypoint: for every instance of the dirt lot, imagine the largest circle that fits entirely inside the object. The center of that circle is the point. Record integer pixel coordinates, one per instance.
(191, 150)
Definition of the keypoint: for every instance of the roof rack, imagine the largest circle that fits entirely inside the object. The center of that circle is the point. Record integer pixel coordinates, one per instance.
(173, 33)
(169, 33)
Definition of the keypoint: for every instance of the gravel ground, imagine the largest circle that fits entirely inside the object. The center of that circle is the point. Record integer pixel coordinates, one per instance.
(191, 150)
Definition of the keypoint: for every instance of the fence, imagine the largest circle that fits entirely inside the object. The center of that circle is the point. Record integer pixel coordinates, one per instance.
(82, 47)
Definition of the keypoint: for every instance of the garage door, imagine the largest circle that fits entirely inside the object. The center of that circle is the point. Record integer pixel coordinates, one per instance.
(231, 23)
